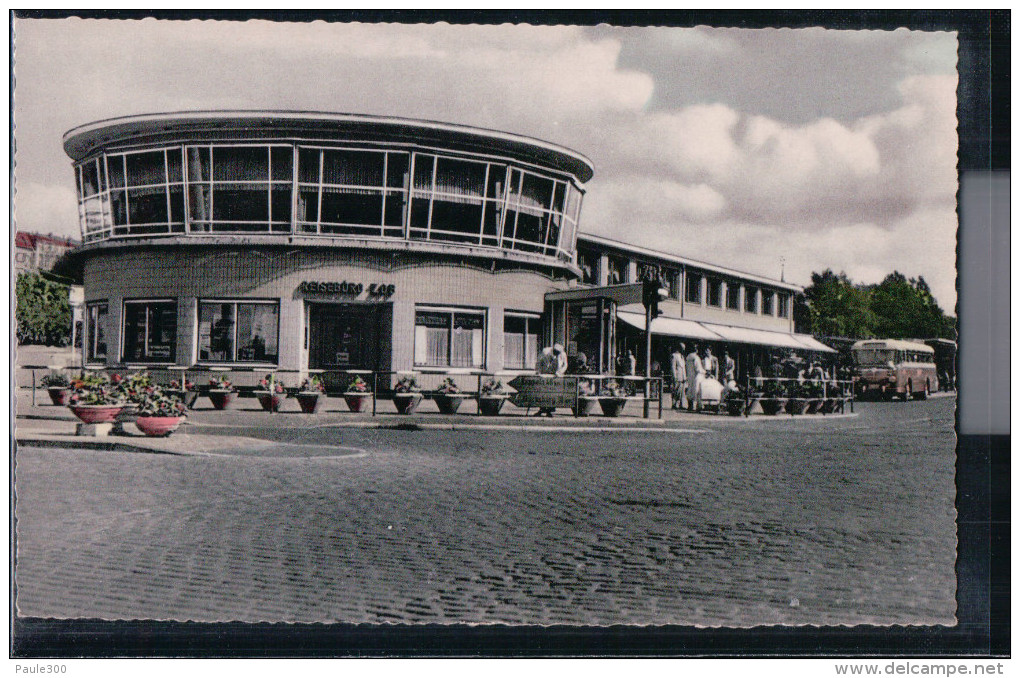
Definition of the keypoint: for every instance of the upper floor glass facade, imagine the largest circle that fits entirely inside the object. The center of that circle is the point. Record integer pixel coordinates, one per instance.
(322, 190)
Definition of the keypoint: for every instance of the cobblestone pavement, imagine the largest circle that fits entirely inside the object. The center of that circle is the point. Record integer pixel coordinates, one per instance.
(747, 522)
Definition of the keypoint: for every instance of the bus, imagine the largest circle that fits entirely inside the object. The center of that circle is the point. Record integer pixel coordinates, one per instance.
(892, 367)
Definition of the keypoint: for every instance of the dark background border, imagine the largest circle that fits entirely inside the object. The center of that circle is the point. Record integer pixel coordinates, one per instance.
(983, 491)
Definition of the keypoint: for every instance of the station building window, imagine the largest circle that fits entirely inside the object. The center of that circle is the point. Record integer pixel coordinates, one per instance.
(751, 300)
(783, 305)
(693, 288)
(618, 270)
(96, 331)
(238, 332)
(733, 296)
(240, 188)
(520, 340)
(714, 291)
(671, 277)
(766, 302)
(150, 331)
(588, 262)
(449, 337)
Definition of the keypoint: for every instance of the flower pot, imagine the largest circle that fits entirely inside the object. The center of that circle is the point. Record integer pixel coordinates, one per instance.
(611, 407)
(813, 406)
(270, 402)
(449, 403)
(358, 402)
(96, 414)
(490, 406)
(60, 395)
(309, 402)
(796, 405)
(186, 397)
(406, 403)
(584, 406)
(157, 426)
(828, 406)
(735, 407)
(221, 399)
(772, 406)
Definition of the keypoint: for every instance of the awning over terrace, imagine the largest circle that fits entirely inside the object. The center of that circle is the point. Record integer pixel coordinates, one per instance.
(690, 329)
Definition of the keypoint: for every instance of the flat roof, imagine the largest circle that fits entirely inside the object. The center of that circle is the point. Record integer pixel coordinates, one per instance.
(686, 261)
(83, 140)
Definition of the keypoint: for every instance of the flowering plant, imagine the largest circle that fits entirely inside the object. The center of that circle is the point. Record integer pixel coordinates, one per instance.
(95, 389)
(272, 384)
(493, 387)
(449, 386)
(55, 380)
(133, 386)
(186, 385)
(221, 384)
(407, 384)
(585, 387)
(153, 402)
(612, 389)
(358, 385)
(312, 385)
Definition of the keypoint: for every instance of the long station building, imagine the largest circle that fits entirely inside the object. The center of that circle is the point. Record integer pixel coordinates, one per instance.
(249, 242)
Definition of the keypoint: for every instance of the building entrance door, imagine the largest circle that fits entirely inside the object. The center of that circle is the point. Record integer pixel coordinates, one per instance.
(348, 336)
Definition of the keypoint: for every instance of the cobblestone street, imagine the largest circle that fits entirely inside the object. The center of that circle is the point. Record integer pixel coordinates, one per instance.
(740, 522)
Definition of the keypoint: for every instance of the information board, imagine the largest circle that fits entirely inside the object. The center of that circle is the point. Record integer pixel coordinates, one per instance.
(535, 390)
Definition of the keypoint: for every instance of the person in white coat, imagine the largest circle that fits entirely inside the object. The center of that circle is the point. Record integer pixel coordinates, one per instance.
(678, 370)
(695, 375)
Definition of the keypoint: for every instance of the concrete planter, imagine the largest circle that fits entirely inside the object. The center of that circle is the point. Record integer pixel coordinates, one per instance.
(611, 407)
(406, 403)
(270, 402)
(796, 406)
(449, 403)
(308, 402)
(96, 414)
(156, 427)
(585, 404)
(357, 401)
(60, 395)
(221, 399)
(490, 406)
(772, 406)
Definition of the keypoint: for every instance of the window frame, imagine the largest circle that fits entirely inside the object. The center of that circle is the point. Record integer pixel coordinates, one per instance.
(711, 282)
(529, 318)
(752, 304)
(452, 311)
(236, 302)
(768, 304)
(782, 305)
(90, 336)
(123, 331)
(735, 288)
(689, 276)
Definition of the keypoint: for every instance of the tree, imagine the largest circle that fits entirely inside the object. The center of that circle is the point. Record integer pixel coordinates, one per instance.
(838, 308)
(905, 309)
(43, 310)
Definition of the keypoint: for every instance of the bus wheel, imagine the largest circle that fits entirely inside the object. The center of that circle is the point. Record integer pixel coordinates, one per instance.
(927, 390)
(908, 394)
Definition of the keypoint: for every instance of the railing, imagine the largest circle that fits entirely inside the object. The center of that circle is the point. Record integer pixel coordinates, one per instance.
(840, 392)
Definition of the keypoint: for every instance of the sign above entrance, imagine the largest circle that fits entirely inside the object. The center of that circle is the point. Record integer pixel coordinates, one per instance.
(345, 288)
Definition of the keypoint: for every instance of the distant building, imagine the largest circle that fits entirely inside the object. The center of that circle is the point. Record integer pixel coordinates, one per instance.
(35, 251)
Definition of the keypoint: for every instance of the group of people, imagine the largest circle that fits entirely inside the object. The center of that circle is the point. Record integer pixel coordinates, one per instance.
(693, 371)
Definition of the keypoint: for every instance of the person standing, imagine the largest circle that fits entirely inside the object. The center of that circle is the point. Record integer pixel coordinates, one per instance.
(695, 374)
(730, 368)
(711, 365)
(631, 363)
(678, 369)
(561, 360)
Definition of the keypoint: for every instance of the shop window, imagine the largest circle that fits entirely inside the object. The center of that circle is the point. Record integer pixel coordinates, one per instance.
(751, 300)
(733, 296)
(714, 291)
(520, 341)
(97, 329)
(150, 331)
(783, 305)
(693, 288)
(449, 338)
(766, 302)
(588, 262)
(618, 270)
(238, 332)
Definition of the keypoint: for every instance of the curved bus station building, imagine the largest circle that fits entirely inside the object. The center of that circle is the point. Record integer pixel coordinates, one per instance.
(249, 242)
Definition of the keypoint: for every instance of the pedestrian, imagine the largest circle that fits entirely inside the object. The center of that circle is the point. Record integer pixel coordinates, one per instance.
(561, 360)
(695, 374)
(631, 363)
(678, 370)
(711, 365)
(730, 369)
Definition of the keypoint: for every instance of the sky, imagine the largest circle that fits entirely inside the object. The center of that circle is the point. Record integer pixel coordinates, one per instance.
(771, 151)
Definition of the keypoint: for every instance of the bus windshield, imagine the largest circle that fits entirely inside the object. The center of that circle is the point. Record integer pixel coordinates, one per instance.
(875, 356)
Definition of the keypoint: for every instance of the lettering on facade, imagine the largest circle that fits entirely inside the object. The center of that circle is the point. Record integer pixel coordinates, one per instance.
(347, 288)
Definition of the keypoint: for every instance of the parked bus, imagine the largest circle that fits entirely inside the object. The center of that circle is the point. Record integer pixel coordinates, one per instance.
(892, 367)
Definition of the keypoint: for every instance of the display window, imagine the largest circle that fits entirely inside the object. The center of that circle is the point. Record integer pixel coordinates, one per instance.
(97, 329)
(449, 337)
(520, 340)
(150, 331)
(238, 331)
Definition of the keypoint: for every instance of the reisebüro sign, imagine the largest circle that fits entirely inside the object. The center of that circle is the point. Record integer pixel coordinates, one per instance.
(345, 288)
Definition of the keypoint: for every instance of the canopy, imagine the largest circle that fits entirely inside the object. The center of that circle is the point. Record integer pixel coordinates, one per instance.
(675, 327)
(671, 327)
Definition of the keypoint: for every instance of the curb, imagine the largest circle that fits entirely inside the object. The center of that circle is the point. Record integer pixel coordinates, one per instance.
(107, 446)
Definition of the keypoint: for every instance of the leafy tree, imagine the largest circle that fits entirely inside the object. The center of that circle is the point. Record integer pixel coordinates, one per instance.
(43, 310)
(837, 307)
